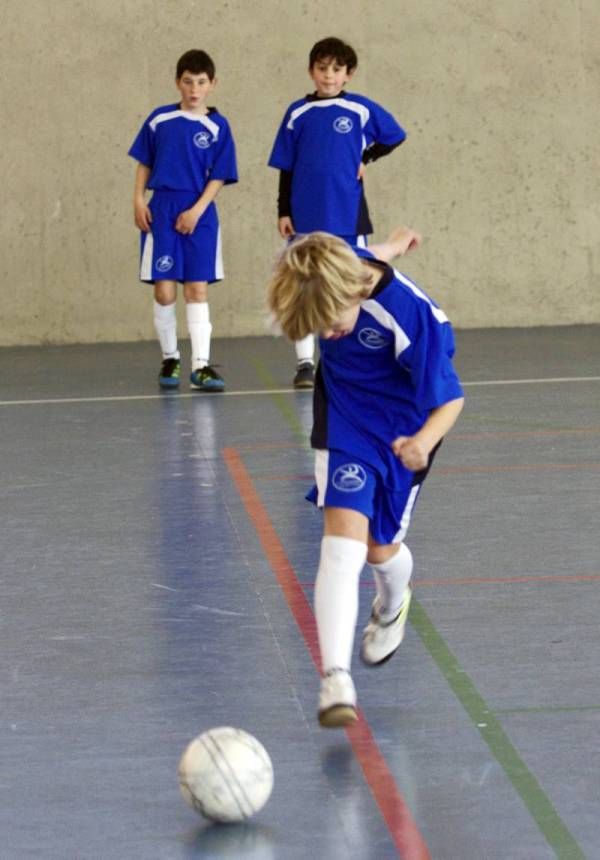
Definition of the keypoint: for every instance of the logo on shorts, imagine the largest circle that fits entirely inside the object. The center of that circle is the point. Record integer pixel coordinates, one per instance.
(349, 478)
(343, 124)
(163, 264)
(371, 338)
(203, 139)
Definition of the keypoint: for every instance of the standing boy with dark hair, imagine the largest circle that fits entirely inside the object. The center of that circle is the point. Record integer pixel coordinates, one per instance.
(322, 146)
(185, 154)
(386, 394)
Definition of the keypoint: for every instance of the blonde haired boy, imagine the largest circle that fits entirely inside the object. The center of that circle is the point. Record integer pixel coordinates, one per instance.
(386, 393)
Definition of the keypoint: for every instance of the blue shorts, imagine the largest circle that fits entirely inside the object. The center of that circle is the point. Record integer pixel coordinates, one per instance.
(167, 255)
(342, 481)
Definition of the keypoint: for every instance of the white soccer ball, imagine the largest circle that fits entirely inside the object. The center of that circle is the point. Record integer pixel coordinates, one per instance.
(225, 774)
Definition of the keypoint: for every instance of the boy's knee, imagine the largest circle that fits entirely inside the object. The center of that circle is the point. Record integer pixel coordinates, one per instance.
(380, 553)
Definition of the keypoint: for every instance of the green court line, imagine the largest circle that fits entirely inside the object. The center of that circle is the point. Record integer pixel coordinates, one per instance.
(549, 709)
(281, 401)
(531, 793)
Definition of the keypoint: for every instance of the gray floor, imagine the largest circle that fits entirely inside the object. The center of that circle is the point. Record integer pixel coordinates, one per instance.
(142, 606)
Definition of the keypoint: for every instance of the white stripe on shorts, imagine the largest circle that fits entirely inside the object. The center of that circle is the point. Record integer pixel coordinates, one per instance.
(406, 514)
(219, 272)
(361, 241)
(147, 254)
(321, 472)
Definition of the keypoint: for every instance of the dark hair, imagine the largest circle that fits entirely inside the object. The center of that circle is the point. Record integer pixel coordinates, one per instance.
(334, 49)
(195, 62)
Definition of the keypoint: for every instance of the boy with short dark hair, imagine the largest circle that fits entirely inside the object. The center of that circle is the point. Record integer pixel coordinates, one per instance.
(185, 153)
(321, 149)
(386, 393)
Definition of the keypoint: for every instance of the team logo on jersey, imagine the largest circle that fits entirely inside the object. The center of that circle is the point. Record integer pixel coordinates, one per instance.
(343, 124)
(371, 338)
(349, 478)
(163, 264)
(202, 139)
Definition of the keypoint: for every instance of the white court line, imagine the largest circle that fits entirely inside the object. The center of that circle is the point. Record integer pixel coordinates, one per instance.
(268, 391)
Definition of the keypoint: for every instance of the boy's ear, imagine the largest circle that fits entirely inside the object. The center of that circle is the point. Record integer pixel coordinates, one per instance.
(350, 73)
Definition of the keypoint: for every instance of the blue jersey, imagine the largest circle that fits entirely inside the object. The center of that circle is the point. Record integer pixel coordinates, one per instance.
(383, 379)
(185, 151)
(321, 142)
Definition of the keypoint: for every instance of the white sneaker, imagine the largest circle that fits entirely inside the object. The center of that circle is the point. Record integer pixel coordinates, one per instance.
(337, 700)
(381, 639)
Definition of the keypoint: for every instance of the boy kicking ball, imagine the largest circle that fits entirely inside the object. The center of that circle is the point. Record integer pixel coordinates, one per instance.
(386, 393)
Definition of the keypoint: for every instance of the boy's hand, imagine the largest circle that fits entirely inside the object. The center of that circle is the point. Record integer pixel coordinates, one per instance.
(142, 215)
(186, 221)
(286, 228)
(404, 239)
(411, 451)
(361, 171)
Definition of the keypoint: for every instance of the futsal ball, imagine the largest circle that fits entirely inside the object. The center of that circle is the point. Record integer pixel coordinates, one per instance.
(225, 774)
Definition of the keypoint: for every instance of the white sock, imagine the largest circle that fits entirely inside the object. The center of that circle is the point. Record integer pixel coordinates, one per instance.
(200, 328)
(336, 599)
(391, 579)
(165, 325)
(305, 348)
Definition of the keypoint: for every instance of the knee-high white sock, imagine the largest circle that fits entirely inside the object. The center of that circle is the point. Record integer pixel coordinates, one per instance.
(305, 348)
(200, 329)
(391, 579)
(165, 325)
(336, 599)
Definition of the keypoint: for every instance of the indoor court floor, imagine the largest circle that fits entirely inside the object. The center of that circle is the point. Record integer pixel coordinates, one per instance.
(158, 560)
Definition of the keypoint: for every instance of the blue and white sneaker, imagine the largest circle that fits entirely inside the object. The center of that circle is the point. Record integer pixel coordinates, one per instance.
(206, 379)
(170, 370)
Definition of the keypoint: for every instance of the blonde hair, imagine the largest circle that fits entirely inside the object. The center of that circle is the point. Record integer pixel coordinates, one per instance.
(316, 278)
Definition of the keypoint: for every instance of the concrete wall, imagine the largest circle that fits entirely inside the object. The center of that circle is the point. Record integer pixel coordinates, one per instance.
(500, 169)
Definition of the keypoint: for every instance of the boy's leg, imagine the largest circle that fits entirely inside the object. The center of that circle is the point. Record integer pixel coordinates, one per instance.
(305, 362)
(165, 324)
(203, 376)
(392, 567)
(343, 554)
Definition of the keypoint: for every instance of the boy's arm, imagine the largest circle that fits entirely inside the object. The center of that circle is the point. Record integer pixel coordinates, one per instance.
(400, 240)
(141, 212)
(284, 211)
(414, 451)
(187, 220)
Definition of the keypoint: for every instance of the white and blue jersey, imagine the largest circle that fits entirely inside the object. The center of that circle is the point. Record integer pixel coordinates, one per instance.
(383, 379)
(321, 142)
(184, 150)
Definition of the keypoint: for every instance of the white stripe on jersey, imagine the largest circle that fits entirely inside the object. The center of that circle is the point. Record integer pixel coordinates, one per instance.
(321, 471)
(219, 273)
(147, 255)
(437, 312)
(384, 318)
(361, 110)
(174, 114)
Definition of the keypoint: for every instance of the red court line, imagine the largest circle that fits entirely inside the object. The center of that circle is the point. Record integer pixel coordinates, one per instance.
(397, 815)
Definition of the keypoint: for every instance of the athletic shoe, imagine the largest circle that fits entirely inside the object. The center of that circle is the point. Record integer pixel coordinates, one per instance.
(305, 375)
(337, 700)
(206, 379)
(381, 639)
(169, 373)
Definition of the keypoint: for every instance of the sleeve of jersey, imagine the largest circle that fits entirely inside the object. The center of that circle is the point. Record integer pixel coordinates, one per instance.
(283, 153)
(143, 147)
(428, 359)
(382, 127)
(225, 163)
